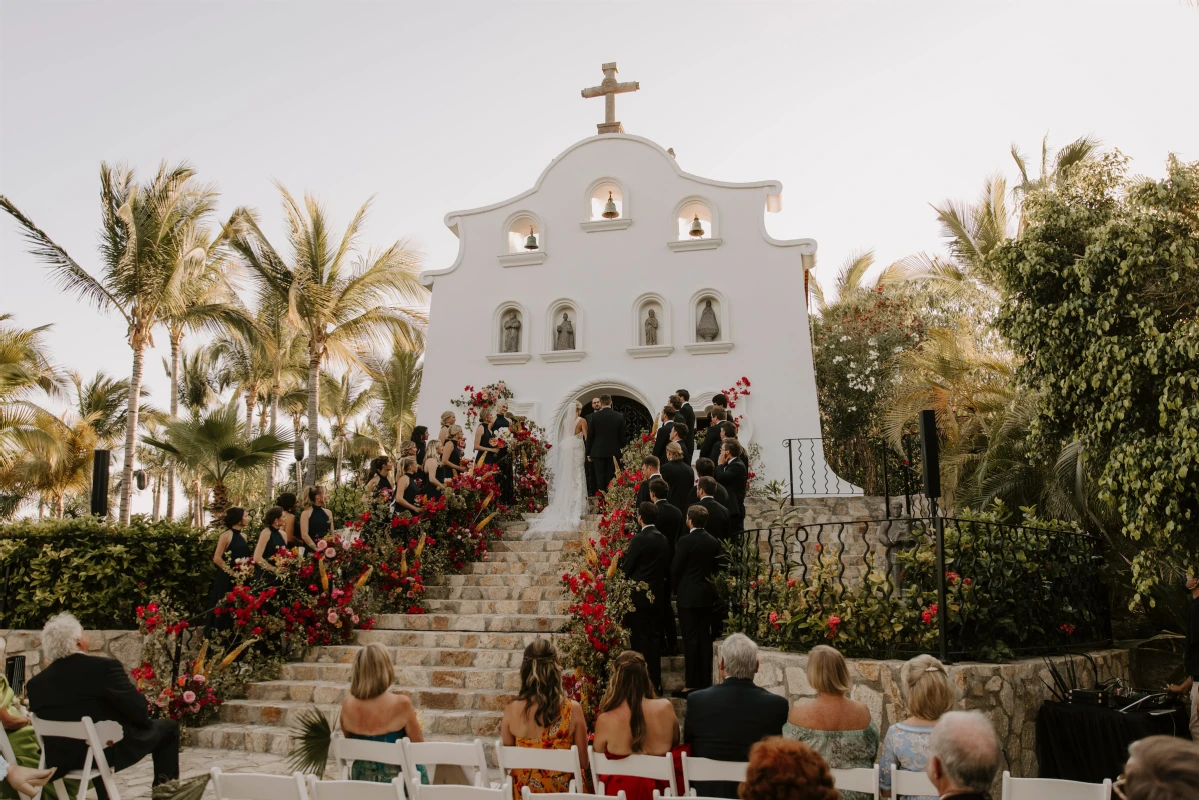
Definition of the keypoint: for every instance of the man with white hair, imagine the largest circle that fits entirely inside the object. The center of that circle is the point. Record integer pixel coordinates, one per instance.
(963, 756)
(725, 720)
(76, 685)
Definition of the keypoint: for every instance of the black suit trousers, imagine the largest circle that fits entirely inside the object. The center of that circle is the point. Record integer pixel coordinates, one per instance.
(645, 639)
(666, 625)
(697, 646)
(605, 471)
(161, 742)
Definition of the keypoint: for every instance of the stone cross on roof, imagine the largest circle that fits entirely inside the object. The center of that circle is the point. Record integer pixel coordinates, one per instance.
(608, 89)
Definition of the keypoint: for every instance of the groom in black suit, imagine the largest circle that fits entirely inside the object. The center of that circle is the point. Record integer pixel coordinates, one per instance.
(605, 439)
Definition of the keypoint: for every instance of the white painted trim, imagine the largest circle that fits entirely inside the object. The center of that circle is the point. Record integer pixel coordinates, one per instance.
(653, 351)
(703, 348)
(509, 358)
(497, 334)
(552, 314)
(726, 328)
(529, 258)
(625, 208)
(555, 356)
(687, 245)
(538, 228)
(713, 222)
(665, 326)
(601, 384)
(595, 226)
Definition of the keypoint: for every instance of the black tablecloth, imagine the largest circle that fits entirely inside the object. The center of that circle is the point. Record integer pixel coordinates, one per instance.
(1088, 743)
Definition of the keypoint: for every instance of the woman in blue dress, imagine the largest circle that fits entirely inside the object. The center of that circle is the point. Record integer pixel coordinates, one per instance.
(928, 692)
(374, 713)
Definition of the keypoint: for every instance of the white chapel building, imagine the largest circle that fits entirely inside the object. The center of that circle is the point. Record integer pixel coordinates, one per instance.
(552, 289)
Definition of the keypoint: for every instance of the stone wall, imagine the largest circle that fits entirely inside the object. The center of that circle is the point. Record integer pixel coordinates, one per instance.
(762, 513)
(1009, 694)
(124, 646)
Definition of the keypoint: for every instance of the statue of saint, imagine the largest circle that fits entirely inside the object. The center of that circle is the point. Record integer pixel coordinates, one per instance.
(651, 329)
(565, 340)
(708, 329)
(511, 342)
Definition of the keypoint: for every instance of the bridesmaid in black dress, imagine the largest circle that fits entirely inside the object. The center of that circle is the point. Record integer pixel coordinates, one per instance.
(485, 452)
(507, 490)
(270, 541)
(420, 436)
(451, 454)
(406, 486)
(233, 543)
(379, 479)
(315, 521)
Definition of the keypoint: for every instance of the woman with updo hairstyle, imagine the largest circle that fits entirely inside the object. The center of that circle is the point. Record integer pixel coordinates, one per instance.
(782, 769)
(233, 543)
(451, 455)
(315, 521)
(406, 485)
(448, 418)
(542, 716)
(270, 542)
(926, 688)
(378, 479)
(633, 720)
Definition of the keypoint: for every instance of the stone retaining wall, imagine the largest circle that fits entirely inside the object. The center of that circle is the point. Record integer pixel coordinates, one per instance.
(124, 646)
(1009, 694)
(762, 513)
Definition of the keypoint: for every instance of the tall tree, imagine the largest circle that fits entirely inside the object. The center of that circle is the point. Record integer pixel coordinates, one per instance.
(395, 385)
(197, 387)
(247, 363)
(343, 399)
(343, 306)
(147, 250)
(287, 345)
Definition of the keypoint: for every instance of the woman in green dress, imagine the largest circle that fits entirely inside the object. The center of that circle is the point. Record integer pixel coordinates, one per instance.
(22, 740)
(838, 728)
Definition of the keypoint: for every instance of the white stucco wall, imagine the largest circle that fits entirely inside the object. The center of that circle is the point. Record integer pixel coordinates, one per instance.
(604, 272)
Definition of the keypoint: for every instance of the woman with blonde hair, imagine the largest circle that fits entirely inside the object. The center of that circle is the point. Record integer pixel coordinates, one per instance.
(371, 711)
(484, 451)
(634, 721)
(542, 716)
(928, 692)
(451, 455)
(407, 486)
(838, 728)
(448, 418)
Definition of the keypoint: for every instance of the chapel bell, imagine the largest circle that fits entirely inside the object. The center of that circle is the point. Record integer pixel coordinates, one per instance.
(610, 211)
(531, 242)
(697, 229)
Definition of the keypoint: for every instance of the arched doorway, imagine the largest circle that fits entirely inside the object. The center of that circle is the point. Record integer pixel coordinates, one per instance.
(637, 418)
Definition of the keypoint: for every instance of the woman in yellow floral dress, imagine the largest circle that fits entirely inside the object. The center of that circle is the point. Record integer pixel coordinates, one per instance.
(542, 716)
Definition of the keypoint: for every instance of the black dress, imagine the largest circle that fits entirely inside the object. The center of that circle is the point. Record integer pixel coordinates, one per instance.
(445, 473)
(507, 491)
(274, 544)
(222, 584)
(319, 523)
(411, 490)
(488, 458)
(383, 484)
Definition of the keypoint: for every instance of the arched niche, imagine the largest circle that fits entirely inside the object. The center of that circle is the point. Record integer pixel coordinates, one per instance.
(596, 198)
(502, 334)
(514, 237)
(642, 347)
(557, 346)
(707, 341)
(684, 216)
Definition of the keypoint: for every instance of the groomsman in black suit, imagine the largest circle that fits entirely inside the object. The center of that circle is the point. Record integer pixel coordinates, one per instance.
(678, 475)
(650, 469)
(678, 433)
(718, 516)
(648, 560)
(704, 466)
(665, 424)
(588, 468)
(688, 413)
(605, 439)
(696, 560)
(710, 446)
(718, 401)
(732, 474)
(670, 523)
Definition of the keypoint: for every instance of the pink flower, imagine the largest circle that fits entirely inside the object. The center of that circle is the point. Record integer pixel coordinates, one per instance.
(189, 697)
(321, 545)
(198, 678)
(332, 615)
(330, 551)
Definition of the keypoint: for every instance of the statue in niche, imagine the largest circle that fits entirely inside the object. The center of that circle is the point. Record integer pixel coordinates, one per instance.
(651, 329)
(511, 343)
(565, 338)
(708, 329)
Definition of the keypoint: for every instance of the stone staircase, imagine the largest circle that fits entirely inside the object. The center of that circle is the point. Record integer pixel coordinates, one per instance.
(460, 662)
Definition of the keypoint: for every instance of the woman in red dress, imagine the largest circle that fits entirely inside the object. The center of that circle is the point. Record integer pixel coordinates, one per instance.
(634, 721)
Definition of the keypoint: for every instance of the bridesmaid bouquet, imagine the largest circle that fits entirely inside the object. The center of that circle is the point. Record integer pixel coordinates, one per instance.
(503, 437)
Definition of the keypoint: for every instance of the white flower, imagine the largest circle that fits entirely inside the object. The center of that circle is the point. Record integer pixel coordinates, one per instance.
(838, 359)
(872, 341)
(852, 408)
(845, 338)
(897, 349)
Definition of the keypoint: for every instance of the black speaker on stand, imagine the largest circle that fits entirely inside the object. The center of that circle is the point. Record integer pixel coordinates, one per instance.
(100, 483)
(930, 455)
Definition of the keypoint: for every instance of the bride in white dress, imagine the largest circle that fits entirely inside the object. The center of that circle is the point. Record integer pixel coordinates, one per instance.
(568, 481)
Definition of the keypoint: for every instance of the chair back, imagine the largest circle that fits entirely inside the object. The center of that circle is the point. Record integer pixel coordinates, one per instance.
(98, 735)
(256, 786)
(709, 769)
(468, 755)
(1048, 789)
(6, 752)
(907, 782)
(658, 796)
(346, 751)
(861, 779)
(459, 792)
(659, 768)
(355, 790)
(528, 794)
(510, 758)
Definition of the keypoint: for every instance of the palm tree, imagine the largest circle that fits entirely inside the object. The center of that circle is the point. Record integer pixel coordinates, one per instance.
(25, 371)
(197, 386)
(247, 363)
(342, 399)
(293, 400)
(216, 446)
(56, 459)
(105, 400)
(395, 386)
(147, 250)
(288, 347)
(341, 307)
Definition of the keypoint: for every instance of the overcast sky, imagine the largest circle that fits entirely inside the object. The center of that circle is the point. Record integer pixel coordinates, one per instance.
(867, 112)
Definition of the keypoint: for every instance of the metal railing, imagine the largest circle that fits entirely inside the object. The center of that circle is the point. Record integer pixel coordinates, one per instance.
(825, 467)
(873, 588)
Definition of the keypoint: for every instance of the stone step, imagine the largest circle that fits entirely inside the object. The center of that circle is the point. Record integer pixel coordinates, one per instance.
(445, 639)
(300, 695)
(537, 546)
(503, 567)
(276, 740)
(501, 677)
(426, 657)
(483, 607)
(500, 592)
(508, 623)
(531, 556)
(473, 579)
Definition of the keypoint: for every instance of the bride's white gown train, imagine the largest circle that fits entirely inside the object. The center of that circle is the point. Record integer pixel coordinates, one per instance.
(568, 490)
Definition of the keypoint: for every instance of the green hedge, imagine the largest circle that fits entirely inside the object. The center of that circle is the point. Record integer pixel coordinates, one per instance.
(98, 571)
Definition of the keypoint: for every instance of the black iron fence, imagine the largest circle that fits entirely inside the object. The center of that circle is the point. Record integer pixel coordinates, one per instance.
(963, 589)
(824, 467)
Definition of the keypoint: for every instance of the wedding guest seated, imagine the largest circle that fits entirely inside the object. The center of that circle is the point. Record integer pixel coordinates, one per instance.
(1160, 768)
(634, 721)
(718, 515)
(924, 684)
(838, 728)
(706, 466)
(75, 685)
(407, 486)
(448, 418)
(711, 443)
(678, 475)
(724, 721)
(780, 769)
(316, 522)
(371, 711)
(650, 471)
(542, 716)
(964, 756)
(23, 775)
(25, 780)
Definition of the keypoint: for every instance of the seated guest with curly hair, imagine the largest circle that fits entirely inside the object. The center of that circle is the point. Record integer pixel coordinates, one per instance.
(781, 769)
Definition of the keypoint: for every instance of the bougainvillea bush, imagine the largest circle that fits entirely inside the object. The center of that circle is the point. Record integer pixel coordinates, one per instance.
(475, 400)
(528, 451)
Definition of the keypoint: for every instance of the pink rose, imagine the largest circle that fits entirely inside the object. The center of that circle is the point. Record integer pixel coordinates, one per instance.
(189, 697)
(330, 551)
(321, 545)
(198, 678)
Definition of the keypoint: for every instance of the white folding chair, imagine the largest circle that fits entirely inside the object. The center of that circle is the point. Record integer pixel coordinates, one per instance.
(659, 768)
(467, 755)
(527, 794)
(458, 792)
(906, 782)
(1048, 789)
(256, 786)
(98, 735)
(861, 779)
(510, 758)
(709, 769)
(354, 790)
(658, 796)
(347, 751)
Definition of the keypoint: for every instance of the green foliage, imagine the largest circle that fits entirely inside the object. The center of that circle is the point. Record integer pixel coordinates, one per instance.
(311, 736)
(101, 572)
(1104, 289)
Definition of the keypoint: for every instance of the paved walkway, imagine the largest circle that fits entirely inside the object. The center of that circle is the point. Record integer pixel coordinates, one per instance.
(135, 781)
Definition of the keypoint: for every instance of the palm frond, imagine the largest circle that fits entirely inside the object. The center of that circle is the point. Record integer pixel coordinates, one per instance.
(311, 737)
(185, 789)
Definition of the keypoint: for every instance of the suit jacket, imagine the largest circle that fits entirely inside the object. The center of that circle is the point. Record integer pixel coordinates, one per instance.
(670, 523)
(689, 415)
(710, 448)
(688, 441)
(643, 488)
(79, 686)
(722, 497)
(734, 477)
(662, 439)
(718, 519)
(648, 559)
(724, 721)
(605, 434)
(696, 560)
(681, 479)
